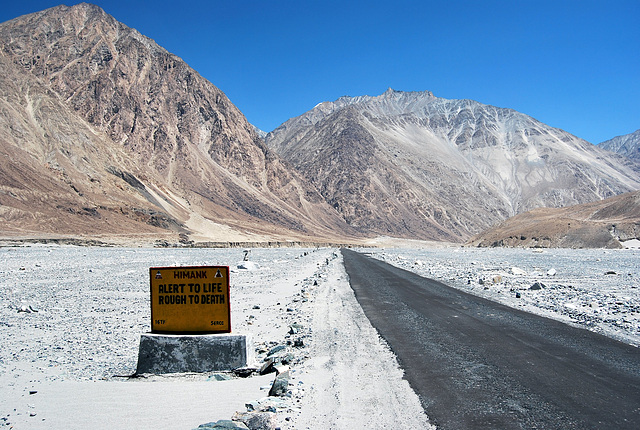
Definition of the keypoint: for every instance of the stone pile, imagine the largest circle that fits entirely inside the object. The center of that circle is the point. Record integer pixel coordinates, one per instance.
(279, 358)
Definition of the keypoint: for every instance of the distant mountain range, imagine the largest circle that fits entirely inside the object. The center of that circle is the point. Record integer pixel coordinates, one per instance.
(105, 134)
(627, 145)
(414, 165)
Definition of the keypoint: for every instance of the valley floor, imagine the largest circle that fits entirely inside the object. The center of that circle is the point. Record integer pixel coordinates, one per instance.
(71, 318)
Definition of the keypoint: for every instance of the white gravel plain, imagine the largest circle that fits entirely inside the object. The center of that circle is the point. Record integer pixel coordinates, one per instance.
(71, 318)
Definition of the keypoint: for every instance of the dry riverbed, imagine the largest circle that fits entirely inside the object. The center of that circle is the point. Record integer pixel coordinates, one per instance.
(71, 318)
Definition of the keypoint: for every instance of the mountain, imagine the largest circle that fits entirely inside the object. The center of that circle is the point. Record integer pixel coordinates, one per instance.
(60, 174)
(602, 224)
(410, 164)
(627, 145)
(102, 131)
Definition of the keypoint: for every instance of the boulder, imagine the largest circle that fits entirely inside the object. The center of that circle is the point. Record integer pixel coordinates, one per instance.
(537, 286)
(257, 420)
(276, 349)
(223, 424)
(268, 367)
(280, 385)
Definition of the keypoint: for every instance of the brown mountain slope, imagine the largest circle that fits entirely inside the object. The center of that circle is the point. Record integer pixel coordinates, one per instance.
(602, 224)
(376, 190)
(190, 152)
(54, 170)
(409, 164)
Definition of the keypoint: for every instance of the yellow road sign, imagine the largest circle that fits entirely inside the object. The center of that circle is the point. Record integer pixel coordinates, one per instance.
(190, 299)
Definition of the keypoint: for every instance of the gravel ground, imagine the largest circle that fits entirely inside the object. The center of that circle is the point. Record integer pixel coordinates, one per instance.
(71, 318)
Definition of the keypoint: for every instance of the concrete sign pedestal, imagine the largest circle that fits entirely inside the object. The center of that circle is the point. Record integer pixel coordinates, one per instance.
(177, 353)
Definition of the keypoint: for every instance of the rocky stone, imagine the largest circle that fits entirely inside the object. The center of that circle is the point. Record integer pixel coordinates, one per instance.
(267, 404)
(281, 368)
(287, 358)
(295, 328)
(248, 265)
(280, 385)
(223, 424)
(219, 377)
(268, 367)
(244, 372)
(518, 271)
(276, 349)
(177, 353)
(257, 420)
(537, 286)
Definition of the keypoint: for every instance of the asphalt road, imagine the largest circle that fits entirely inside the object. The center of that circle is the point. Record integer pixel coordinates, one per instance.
(476, 364)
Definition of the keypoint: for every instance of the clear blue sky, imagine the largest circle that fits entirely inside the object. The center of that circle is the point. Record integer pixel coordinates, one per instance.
(573, 64)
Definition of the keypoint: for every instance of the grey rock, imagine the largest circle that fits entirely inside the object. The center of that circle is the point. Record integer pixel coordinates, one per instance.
(257, 420)
(223, 424)
(287, 358)
(280, 385)
(219, 377)
(267, 404)
(295, 328)
(252, 406)
(276, 349)
(24, 309)
(268, 367)
(183, 353)
(244, 372)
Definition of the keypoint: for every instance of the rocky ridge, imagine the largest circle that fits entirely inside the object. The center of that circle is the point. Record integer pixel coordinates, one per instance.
(155, 128)
(411, 164)
(603, 224)
(627, 145)
(60, 174)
